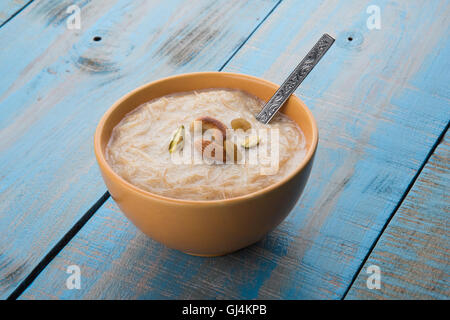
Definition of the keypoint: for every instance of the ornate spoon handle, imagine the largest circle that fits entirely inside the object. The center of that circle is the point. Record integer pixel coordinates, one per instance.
(295, 78)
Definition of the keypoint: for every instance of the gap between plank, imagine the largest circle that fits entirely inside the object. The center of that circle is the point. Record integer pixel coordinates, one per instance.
(57, 248)
(16, 13)
(405, 194)
(85, 218)
(249, 36)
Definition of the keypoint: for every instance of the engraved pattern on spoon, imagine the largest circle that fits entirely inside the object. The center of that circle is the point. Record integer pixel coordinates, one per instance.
(295, 78)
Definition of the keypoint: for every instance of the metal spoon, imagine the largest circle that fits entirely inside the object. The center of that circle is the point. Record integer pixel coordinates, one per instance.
(295, 78)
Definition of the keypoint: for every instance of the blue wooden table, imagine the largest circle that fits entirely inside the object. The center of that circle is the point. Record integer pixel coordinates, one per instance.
(377, 201)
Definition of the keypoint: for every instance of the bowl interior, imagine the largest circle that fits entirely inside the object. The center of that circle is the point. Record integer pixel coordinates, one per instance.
(294, 107)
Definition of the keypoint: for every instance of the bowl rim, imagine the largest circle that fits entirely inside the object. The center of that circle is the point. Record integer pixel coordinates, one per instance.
(104, 164)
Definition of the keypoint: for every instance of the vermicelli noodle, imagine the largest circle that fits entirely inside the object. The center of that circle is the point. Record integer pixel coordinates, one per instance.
(138, 149)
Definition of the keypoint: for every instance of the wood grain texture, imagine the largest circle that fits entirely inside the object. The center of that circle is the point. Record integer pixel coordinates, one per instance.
(381, 101)
(9, 8)
(413, 253)
(59, 82)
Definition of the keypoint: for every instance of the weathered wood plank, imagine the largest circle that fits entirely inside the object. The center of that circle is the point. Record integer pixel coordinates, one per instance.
(381, 101)
(9, 8)
(59, 82)
(413, 253)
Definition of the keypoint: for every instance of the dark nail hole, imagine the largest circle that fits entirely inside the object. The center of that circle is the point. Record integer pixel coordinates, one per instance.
(97, 38)
(350, 39)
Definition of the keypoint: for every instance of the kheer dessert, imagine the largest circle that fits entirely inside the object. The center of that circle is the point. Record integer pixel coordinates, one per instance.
(204, 145)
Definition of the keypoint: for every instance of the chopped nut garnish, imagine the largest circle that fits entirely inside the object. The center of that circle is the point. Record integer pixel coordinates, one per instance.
(177, 140)
(208, 123)
(250, 141)
(240, 123)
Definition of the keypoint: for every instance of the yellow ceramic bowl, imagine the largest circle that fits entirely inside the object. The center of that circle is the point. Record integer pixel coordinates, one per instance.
(216, 227)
